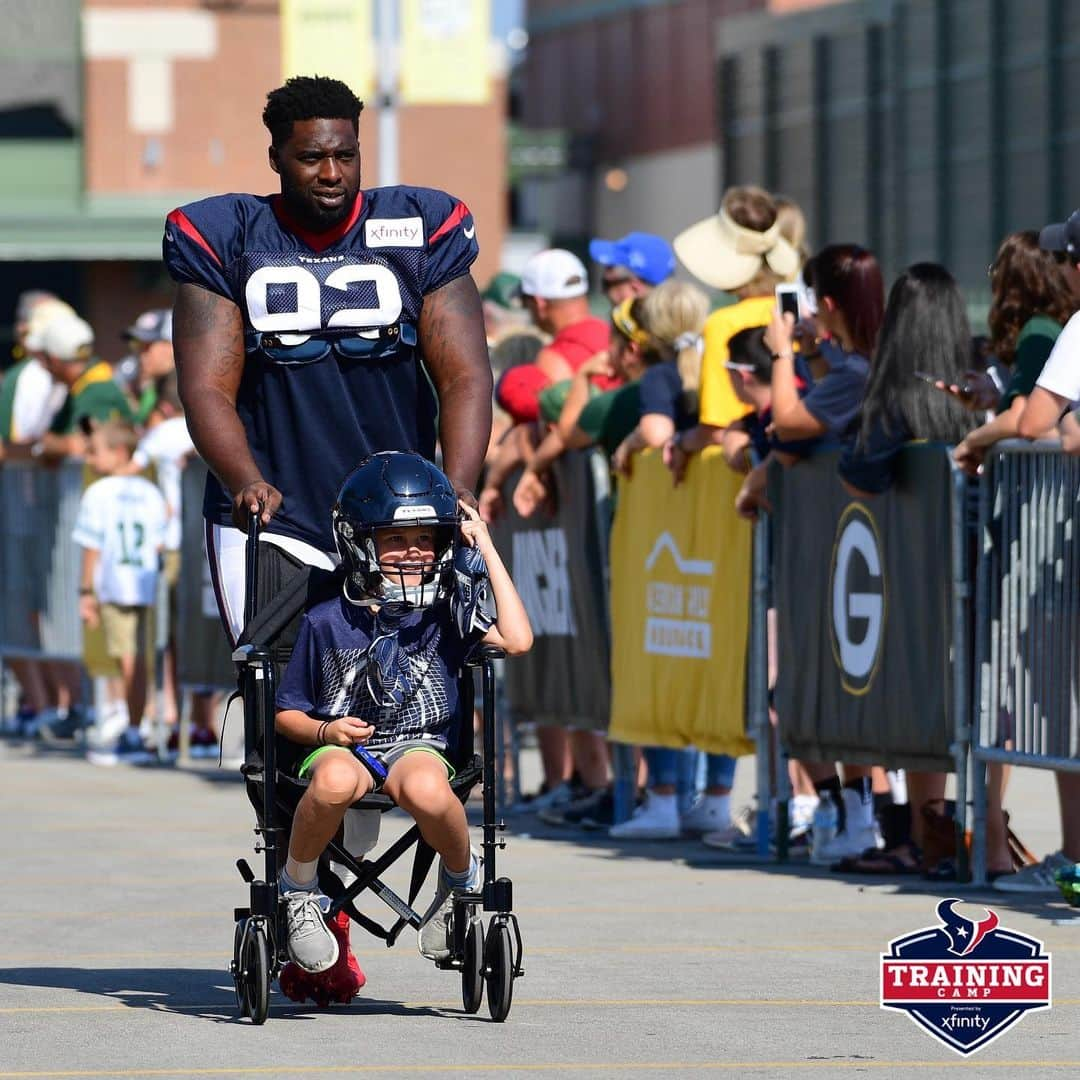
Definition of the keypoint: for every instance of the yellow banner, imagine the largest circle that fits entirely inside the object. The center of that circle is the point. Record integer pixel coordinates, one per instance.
(329, 37)
(445, 52)
(680, 608)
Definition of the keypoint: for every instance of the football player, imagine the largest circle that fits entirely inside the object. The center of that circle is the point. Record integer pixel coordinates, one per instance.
(316, 326)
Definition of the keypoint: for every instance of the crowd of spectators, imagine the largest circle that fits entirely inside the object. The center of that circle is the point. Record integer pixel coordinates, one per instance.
(674, 366)
(62, 401)
(858, 369)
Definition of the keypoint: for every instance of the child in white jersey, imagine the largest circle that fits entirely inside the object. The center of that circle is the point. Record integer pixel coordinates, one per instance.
(121, 529)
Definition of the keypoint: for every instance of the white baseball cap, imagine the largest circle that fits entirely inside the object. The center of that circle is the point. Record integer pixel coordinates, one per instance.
(554, 274)
(43, 313)
(67, 338)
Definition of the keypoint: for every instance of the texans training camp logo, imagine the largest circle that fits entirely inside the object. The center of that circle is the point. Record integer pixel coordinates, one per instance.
(965, 982)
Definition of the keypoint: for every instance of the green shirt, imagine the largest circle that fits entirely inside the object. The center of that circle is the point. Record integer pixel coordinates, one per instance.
(7, 398)
(1033, 346)
(94, 395)
(611, 416)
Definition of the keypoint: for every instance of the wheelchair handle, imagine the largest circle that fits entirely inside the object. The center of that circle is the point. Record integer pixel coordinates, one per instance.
(251, 567)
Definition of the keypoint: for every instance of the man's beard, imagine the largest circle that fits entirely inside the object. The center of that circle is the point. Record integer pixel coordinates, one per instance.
(318, 217)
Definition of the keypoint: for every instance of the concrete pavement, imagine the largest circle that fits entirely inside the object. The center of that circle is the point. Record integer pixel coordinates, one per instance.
(652, 960)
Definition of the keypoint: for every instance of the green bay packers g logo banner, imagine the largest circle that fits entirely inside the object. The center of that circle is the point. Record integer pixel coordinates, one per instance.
(858, 599)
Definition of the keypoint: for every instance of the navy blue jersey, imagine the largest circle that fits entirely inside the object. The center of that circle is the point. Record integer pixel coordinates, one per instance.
(399, 673)
(332, 369)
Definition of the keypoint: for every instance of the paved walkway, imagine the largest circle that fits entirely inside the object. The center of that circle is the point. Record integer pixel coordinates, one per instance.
(658, 960)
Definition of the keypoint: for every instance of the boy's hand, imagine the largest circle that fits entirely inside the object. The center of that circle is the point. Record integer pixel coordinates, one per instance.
(347, 731)
(89, 611)
(474, 530)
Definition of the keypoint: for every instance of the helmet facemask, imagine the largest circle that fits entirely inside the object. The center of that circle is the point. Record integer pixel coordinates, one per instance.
(411, 583)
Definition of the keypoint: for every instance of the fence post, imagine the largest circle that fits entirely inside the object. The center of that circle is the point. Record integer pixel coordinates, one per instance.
(985, 673)
(758, 693)
(961, 667)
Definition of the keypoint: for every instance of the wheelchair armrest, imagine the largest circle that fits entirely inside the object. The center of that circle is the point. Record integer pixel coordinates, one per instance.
(483, 655)
(251, 654)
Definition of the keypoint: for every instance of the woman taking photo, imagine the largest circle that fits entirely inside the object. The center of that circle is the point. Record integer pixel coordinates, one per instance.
(1032, 301)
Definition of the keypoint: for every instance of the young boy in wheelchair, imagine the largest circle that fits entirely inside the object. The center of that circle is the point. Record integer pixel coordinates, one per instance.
(370, 695)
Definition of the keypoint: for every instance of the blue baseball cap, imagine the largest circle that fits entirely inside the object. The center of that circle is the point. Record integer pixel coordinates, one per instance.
(648, 257)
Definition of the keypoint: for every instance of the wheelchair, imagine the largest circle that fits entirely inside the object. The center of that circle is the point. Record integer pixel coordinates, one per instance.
(486, 960)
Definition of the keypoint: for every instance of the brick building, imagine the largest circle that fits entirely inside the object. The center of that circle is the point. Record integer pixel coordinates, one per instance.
(114, 111)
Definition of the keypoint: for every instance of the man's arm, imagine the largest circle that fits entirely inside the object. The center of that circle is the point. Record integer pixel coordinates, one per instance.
(208, 339)
(454, 348)
(1041, 414)
(1070, 432)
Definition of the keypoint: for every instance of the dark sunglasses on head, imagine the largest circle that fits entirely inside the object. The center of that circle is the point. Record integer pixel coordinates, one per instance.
(614, 282)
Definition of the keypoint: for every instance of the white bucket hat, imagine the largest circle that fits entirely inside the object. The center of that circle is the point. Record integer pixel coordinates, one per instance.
(727, 255)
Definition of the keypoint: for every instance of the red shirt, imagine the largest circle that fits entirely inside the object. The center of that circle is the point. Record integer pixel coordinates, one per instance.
(519, 389)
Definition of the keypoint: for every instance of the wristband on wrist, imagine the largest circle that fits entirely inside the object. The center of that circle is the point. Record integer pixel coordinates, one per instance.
(788, 355)
(320, 738)
(86, 591)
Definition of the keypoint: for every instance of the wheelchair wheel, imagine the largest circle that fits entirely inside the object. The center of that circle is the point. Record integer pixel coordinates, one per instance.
(256, 974)
(237, 967)
(499, 973)
(472, 968)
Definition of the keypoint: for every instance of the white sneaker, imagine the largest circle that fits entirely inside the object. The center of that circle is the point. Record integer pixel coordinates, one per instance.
(849, 844)
(434, 935)
(860, 832)
(560, 795)
(801, 814)
(731, 838)
(709, 814)
(311, 943)
(108, 729)
(656, 819)
(1037, 878)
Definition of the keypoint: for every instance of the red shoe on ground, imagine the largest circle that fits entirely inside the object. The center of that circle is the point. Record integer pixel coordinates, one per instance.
(339, 984)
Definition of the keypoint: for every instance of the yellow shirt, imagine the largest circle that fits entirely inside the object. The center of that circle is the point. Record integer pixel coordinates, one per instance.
(719, 405)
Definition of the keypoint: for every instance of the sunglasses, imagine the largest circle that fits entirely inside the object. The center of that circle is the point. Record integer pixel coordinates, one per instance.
(614, 282)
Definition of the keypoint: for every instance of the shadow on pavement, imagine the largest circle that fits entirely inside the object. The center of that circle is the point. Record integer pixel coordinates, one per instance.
(195, 992)
(692, 853)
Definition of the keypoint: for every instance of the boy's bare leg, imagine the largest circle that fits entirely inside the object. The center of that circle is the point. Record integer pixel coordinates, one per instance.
(337, 781)
(589, 752)
(133, 672)
(554, 746)
(418, 784)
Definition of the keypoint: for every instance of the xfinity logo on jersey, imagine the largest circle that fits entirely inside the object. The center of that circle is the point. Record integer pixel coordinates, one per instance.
(965, 981)
(857, 590)
(394, 232)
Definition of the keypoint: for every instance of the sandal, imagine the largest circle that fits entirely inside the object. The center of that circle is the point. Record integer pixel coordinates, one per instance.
(904, 859)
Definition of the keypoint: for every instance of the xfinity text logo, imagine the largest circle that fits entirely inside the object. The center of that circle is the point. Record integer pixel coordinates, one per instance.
(394, 232)
(857, 599)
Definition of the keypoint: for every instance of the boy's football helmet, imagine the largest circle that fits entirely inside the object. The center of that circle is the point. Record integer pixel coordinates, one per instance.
(386, 489)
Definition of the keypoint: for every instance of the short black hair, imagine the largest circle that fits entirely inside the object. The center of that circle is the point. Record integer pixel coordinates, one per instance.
(309, 97)
(748, 347)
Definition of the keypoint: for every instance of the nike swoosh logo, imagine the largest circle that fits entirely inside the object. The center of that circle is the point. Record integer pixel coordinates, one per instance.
(470, 232)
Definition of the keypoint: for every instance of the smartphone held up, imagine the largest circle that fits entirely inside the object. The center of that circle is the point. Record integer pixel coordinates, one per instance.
(975, 390)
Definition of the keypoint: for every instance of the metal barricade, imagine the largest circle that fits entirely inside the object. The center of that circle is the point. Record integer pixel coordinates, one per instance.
(770, 764)
(1027, 618)
(873, 602)
(40, 564)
